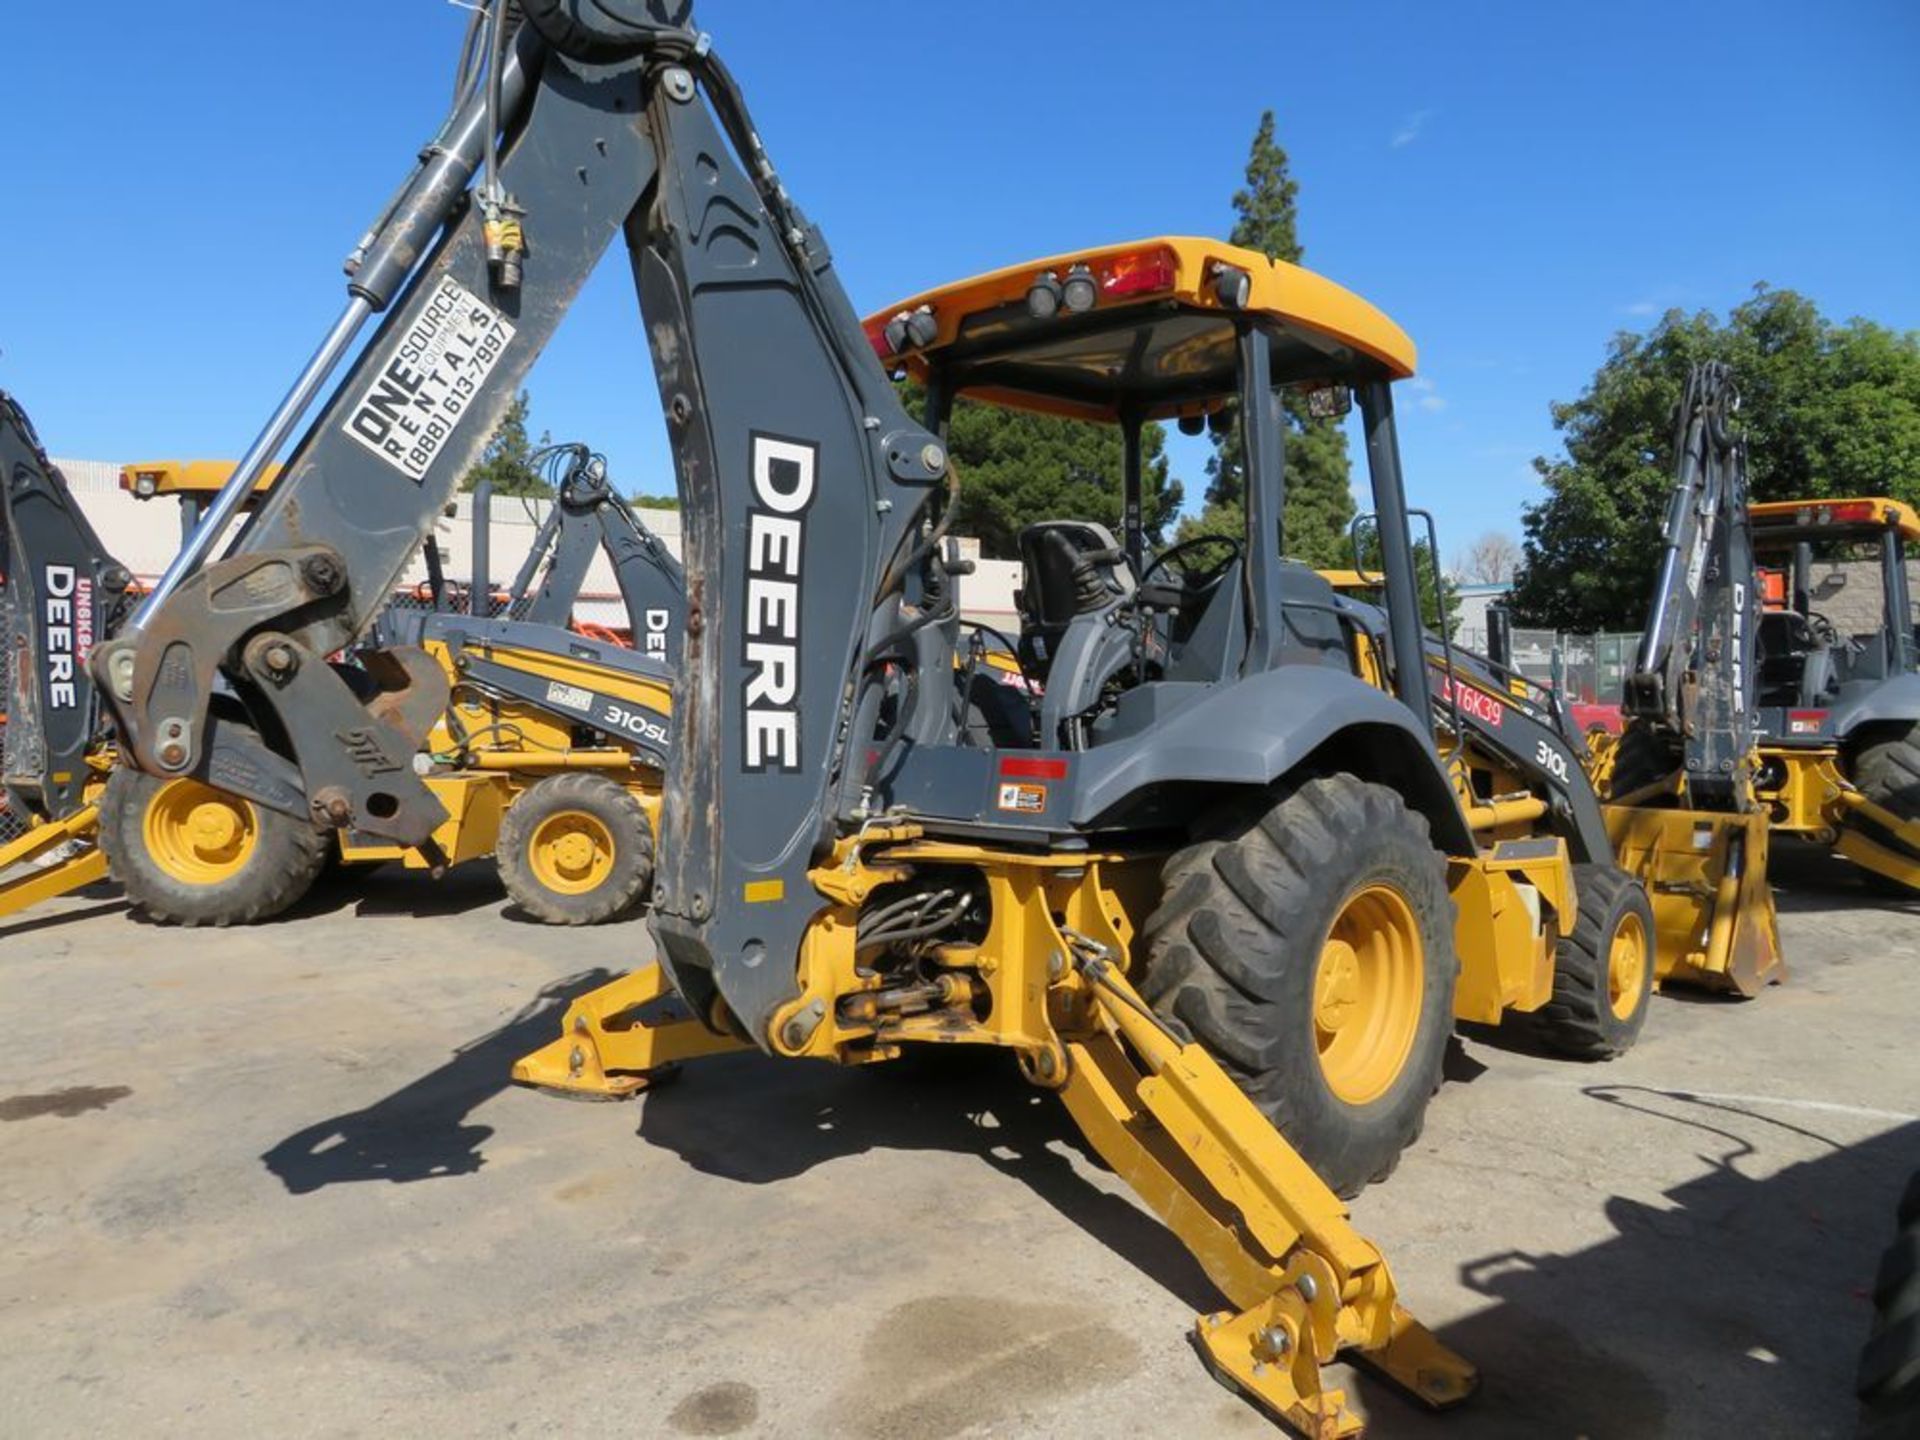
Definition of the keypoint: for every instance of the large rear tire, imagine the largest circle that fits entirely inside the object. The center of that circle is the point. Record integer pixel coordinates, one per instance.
(575, 849)
(1603, 971)
(1889, 1378)
(188, 854)
(1888, 773)
(1307, 944)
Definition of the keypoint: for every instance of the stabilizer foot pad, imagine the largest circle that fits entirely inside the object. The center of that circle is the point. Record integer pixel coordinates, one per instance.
(609, 1050)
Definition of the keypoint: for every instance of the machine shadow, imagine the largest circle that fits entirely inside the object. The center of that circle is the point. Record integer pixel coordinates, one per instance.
(106, 901)
(759, 1121)
(389, 888)
(1807, 879)
(1735, 1306)
(420, 1132)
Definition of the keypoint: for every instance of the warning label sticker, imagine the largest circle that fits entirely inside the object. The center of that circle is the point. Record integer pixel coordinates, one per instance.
(1023, 799)
(413, 405)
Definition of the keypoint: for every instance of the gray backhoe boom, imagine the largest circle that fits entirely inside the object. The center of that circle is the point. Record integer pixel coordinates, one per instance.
(588, 517)
(1693, 676)
(63, 593)
(803, 481)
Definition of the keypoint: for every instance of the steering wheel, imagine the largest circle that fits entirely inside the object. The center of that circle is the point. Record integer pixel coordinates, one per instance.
(1195, 580)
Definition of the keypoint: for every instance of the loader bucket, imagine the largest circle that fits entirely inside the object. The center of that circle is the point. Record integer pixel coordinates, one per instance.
(1706, 873)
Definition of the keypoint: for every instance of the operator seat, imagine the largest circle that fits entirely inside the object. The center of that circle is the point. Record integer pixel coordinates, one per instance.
(1068, 568)
(1795, 667)
(1074, 578)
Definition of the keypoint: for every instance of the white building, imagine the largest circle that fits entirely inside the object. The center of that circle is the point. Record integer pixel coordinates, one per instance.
(1471, 601)
(144, 535)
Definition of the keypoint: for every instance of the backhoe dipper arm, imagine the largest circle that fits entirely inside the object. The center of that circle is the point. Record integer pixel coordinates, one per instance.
(1693, 675)
(64, 592)
(589, 518)
(652, 583)
(801, 477)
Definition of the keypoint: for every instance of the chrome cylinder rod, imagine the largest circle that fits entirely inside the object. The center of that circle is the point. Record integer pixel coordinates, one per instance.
(253, 464)
(384, 262)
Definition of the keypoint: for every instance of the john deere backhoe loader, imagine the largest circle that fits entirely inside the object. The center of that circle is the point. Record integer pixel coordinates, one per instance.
(1839, 711)
(852, 861)
(63, 593)
(1680, 780)
(547, 757)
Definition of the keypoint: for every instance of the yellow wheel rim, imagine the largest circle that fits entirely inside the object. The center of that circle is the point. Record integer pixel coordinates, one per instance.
(1627, 966)
(571, 853)
(1367, 994)
(199, 835)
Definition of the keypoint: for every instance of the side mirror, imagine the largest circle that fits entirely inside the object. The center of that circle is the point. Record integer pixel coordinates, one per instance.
(1329, 402)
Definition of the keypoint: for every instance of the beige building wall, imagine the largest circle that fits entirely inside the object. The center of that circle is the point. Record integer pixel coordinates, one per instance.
(1848, 593)
(144, 535)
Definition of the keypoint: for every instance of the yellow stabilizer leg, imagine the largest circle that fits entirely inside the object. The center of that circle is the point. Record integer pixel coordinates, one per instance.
(1894, 851)
(31, 886)
(608, 1049)
(1706, 874)
(1266, 1229)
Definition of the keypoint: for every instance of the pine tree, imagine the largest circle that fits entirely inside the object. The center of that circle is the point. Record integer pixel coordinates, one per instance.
(1319, 500)
(508, 459)
(1016, 467)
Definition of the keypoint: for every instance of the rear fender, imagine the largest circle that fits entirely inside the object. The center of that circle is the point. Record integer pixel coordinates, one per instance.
(1297, 720)
(1893, 703)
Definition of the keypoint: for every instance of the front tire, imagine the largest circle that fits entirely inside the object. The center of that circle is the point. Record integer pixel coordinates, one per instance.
(575, 849)
(1307, 944)
(188, 854)
(1603, 970)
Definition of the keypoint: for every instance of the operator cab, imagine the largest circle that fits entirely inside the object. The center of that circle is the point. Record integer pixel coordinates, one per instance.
(1114, 633)
(194, 482)
(1839, 611)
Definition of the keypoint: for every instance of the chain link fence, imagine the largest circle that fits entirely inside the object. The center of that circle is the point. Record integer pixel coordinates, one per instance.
(1587, 669)
(1590, 669)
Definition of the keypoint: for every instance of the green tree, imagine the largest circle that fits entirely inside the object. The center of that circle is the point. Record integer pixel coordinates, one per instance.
(1319, 496)
(508, 459)
(1016, 467)
(1828, 410)
(1438, 594)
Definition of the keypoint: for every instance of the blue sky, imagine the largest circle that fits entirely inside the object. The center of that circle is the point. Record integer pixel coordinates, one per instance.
(1513, 183)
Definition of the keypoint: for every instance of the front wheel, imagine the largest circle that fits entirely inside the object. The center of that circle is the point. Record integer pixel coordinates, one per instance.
(575, 849)
(1603, 970)
(188, 854)
(1307, 944)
